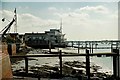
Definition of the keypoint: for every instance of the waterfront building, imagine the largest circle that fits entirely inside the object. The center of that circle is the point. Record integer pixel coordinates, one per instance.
(48, 39)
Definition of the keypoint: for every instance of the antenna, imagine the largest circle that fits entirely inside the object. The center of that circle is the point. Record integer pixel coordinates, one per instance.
(15, 15)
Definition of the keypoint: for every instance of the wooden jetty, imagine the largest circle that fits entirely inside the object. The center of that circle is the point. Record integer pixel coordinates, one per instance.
(94, 44)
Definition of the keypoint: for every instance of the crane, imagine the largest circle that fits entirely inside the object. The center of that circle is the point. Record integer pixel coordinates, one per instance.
(7, 28)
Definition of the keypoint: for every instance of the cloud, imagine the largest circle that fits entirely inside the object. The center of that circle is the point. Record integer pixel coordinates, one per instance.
(27, 22)
(96, 9)
(36, 21)
(78, 24)
(8, 14)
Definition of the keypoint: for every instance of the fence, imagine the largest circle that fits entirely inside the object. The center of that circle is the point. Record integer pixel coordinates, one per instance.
(114, 54)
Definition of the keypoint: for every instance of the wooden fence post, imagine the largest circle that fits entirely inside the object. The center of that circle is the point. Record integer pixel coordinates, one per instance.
(116, 64)
(26, 64)
(60, 57)
(87, 65)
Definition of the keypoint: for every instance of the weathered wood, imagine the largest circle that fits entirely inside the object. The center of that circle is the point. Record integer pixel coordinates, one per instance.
(115, 63)
(63, 55)
(87, 65)
(60, 57)
(26, 65)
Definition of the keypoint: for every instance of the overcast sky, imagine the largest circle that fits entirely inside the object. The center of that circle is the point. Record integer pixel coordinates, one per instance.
(81, 20)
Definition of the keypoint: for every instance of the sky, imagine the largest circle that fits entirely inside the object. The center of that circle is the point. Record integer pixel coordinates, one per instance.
(80, 20)
(60, 0)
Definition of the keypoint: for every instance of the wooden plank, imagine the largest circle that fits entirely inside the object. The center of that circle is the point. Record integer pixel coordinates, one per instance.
(63, 55)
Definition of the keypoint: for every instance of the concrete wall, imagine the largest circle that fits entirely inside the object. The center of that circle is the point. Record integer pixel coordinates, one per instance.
(5, 65)
(4, 48)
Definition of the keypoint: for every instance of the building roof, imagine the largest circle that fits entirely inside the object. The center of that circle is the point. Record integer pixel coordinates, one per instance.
(34, 33)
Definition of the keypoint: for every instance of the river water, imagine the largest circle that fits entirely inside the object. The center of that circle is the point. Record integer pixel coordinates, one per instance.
(105, 62)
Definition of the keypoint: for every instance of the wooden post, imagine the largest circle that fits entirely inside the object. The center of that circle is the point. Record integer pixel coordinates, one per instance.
(111, 47)
(96, 46)
(50, 46)
(39, 78)
(26, 64)
(114, 66)
(116, 51)
(92, 47)
(85, 45)
(78, 47)
(60, 57)
(87, 64)
(118, 64)
(116, 45)
(72, 43)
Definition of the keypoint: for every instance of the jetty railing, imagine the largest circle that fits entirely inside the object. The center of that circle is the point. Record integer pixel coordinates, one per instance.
(115, 54)
(91, 45)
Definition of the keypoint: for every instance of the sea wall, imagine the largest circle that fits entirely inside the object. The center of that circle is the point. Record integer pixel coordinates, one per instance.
(5, 64)
(4, 48)
(6, 67)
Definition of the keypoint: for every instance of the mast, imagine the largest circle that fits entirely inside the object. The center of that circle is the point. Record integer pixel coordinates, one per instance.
(61, 26)
(15, 16)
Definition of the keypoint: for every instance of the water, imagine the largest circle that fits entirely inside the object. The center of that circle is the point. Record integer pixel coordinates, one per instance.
(105, 62)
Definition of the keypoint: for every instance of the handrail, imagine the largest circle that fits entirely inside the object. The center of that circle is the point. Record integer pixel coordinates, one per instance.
(63, 55)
